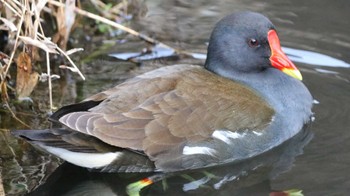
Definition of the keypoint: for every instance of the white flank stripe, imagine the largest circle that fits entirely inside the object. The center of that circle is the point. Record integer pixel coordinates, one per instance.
(257, 133)
(89, 160)
(197, 150)
(225, 135)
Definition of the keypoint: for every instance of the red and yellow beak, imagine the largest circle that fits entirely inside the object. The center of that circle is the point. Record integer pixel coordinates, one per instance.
(279, 59)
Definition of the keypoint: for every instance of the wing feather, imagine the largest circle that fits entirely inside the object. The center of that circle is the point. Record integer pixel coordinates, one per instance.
(162, 111)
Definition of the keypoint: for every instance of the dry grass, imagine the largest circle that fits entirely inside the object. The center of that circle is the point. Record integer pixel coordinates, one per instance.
(24, 23)
(23, 20)
(2, 191)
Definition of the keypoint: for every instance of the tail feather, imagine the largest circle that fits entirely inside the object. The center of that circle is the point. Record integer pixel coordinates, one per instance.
(86, 151)
(83, 106)
(46, 135)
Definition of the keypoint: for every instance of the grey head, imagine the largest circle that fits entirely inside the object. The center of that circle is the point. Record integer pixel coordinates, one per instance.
(239, 43)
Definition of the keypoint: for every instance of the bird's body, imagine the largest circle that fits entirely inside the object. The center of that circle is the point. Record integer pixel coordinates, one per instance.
(185, 116)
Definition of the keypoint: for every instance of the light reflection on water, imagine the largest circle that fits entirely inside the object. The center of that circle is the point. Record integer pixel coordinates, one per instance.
(314, 58)
(296, 55)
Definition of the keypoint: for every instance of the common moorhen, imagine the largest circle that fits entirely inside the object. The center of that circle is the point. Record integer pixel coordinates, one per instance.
(247, 99)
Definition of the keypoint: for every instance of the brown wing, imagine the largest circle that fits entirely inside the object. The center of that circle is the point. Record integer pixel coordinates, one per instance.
(161, 111)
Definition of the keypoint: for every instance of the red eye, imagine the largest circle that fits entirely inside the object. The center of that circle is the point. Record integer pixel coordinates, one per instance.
(253, 43)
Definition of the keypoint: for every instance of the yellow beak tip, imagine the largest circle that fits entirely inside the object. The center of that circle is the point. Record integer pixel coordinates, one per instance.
(294, 73)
